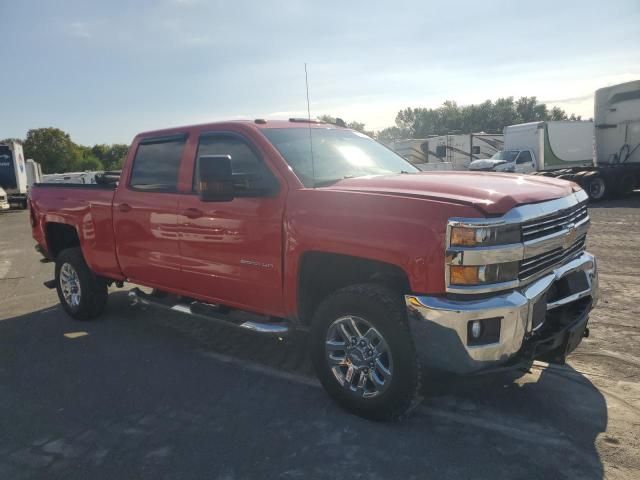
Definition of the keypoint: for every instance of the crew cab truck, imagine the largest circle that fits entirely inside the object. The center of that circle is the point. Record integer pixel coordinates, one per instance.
(279, 226)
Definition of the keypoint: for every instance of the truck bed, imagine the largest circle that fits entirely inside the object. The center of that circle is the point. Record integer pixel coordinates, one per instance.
(87, 208)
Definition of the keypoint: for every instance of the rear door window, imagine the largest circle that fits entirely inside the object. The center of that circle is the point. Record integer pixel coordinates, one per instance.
(157, 163)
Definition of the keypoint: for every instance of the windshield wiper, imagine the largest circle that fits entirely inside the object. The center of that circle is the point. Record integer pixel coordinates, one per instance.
(326, 183)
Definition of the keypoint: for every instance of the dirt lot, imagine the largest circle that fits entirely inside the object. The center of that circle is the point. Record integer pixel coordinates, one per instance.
(163, 396)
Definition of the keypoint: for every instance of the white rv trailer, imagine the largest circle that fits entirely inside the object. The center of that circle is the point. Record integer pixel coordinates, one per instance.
(455, 150)
(70, 177)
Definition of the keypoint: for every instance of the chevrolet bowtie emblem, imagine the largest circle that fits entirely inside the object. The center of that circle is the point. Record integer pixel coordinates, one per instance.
(570, 237)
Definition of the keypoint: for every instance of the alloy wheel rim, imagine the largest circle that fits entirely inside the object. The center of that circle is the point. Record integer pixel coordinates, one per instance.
(70, 285)
(358, 356)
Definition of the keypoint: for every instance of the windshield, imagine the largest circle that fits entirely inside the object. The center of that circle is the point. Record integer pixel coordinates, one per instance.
(337, 154)
(506, 155)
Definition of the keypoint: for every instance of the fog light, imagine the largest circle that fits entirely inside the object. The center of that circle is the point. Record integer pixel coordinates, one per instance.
(476, 329)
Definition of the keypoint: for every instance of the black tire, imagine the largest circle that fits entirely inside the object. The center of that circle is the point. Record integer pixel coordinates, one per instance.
(383, 309)
(93, 289)
(596, 187)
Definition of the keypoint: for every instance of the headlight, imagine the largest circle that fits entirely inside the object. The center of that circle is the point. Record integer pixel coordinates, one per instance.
(484, 236)
(483, 274)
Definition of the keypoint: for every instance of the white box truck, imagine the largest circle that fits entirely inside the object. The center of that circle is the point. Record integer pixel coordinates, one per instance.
(602, 156)
(13, 173)
(542, 146)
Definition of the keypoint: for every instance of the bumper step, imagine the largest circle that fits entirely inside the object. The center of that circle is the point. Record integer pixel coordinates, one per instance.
(234, 318)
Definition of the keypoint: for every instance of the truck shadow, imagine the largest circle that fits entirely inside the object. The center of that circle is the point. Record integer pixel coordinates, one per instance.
(632, 200)
(136, 397)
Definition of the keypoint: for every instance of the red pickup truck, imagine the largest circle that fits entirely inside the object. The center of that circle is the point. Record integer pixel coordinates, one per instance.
(277, 226)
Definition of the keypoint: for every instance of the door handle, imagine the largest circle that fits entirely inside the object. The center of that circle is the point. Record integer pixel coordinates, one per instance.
(192, 213)
(124, 207)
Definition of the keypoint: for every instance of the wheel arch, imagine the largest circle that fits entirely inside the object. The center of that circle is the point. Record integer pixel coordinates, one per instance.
(322, 273)
(60, 236)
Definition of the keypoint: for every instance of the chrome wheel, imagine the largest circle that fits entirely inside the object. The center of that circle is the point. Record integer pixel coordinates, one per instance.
(70, 285)
(358, 356)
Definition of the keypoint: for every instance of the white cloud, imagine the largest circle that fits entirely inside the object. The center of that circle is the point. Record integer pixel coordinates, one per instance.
(79, 29)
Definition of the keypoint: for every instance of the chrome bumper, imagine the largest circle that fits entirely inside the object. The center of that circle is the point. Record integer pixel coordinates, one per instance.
(439, 325)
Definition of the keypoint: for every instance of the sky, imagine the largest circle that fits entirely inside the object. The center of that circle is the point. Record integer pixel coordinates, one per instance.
(105, 70)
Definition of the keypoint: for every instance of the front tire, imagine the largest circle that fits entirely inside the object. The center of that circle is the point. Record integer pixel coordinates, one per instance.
(363, 352)
(596, 188)
(82, 294)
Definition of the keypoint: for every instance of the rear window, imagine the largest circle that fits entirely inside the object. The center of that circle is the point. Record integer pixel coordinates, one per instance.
(156, 165)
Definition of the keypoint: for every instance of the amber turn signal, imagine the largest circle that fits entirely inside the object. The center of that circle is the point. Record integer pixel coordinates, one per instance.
(464, 275)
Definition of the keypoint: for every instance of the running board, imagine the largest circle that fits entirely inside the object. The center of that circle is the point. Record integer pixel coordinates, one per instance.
(211, 312)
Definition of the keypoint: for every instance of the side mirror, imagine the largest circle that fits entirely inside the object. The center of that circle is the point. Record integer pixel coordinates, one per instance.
(215, 179)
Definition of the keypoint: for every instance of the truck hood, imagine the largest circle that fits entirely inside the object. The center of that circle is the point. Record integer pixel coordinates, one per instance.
(485, 164)
(493, 194)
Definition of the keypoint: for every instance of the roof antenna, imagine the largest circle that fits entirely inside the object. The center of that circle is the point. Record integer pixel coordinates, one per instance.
(313, 168)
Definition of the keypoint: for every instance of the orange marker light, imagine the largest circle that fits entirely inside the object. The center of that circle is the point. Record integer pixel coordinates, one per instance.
(464, 275)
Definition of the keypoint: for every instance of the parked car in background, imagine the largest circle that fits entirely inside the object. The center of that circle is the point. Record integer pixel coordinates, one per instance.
(387, 268)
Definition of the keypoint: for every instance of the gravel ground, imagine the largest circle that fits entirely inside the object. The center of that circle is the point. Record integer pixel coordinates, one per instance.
(148, 395)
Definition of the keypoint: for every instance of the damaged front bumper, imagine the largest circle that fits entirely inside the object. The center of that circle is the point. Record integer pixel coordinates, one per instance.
(544, 320)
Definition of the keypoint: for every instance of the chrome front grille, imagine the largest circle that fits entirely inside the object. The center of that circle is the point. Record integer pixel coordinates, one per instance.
(540, 263)
(556, 222)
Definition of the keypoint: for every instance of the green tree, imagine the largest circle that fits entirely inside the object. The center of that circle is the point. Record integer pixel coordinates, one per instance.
(111, 156)
(557, 113)
(489, 117)
(360, 127)
(53, 148)
(10, 140)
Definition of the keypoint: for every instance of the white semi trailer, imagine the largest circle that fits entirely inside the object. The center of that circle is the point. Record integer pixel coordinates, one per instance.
(13, 173)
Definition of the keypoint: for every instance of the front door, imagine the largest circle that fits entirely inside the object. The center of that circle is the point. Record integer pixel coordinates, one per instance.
(524, 162)
(232, 251)
(145, 214)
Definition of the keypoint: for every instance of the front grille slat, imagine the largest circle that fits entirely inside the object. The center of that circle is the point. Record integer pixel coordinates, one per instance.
(556, 222)
(548, 225)
(543, 262)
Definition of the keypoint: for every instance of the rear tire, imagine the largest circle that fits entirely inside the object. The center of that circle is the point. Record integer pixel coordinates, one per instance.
(82, 294)
(385, 375)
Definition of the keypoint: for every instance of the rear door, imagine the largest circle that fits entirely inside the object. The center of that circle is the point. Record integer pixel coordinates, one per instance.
(145, 213)
(232, 251)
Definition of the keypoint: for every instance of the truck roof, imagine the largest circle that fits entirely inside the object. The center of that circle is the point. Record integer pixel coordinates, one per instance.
(258, 123)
